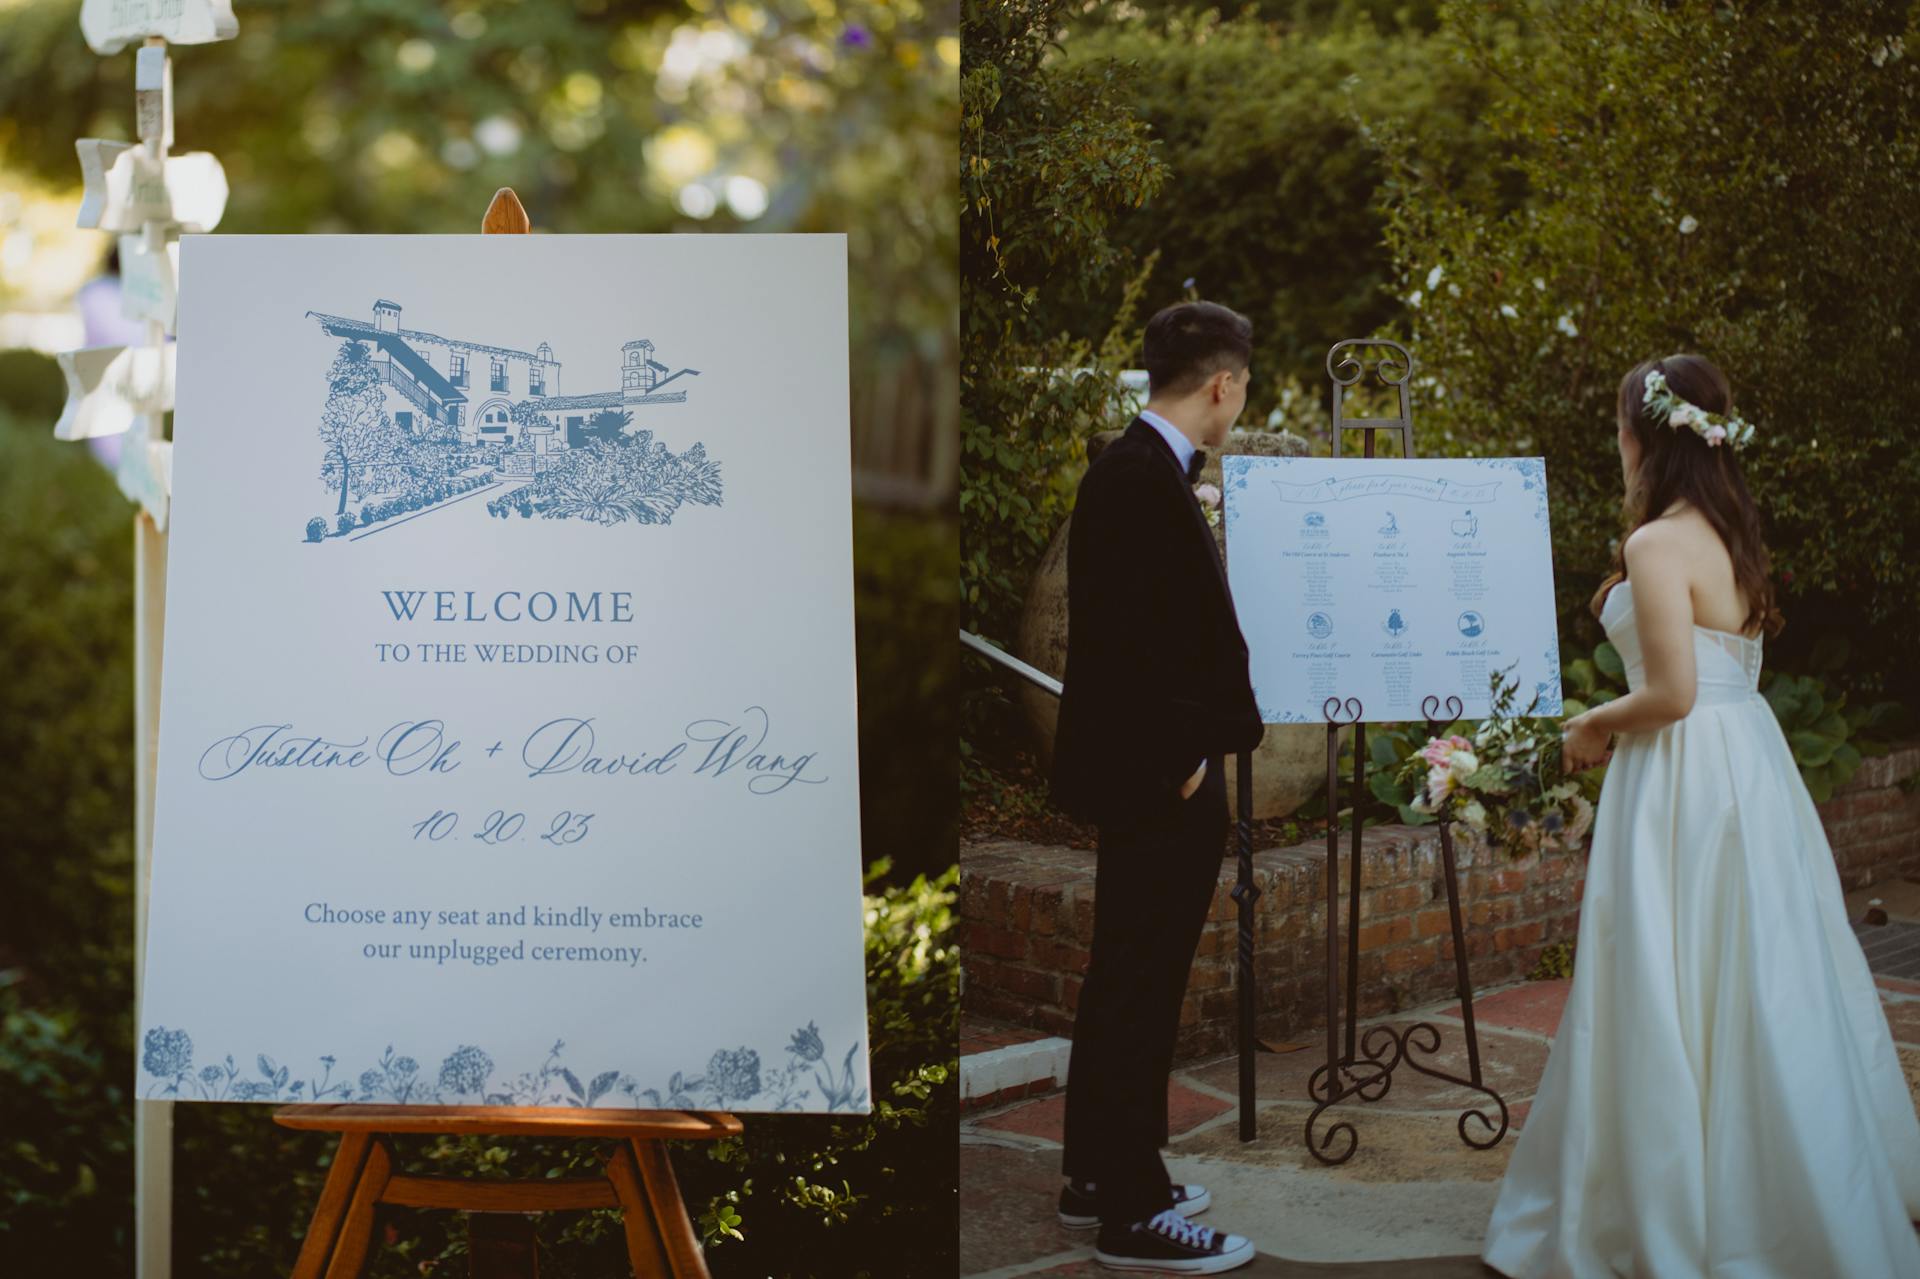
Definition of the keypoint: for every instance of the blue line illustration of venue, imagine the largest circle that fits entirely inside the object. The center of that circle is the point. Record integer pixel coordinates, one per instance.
(415, 423)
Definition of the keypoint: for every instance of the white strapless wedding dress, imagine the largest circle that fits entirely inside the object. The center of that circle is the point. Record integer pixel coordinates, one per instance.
(1723, 1097)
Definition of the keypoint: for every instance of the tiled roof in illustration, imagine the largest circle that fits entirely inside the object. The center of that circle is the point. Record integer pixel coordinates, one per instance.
(421, 335)
(402, 354)
(599, 400)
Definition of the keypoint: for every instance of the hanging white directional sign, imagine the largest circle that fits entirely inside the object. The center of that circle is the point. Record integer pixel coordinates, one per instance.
(108, 385)
(111, 25)
(125, 188)
(148, 280)
(146, 471)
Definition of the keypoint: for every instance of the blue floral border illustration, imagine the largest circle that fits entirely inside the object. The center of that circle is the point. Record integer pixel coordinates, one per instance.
(732, 1078)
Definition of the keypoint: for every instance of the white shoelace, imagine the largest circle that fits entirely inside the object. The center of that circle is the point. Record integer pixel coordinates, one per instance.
(1173, 1226)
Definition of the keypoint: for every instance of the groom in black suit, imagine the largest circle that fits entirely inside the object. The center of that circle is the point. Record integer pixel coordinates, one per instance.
(1156, 693)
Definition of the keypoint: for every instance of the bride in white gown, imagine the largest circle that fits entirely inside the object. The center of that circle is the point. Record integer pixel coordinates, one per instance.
(1723, 1098)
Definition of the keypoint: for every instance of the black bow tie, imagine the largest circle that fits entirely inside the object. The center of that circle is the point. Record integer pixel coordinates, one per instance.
(1194, 463)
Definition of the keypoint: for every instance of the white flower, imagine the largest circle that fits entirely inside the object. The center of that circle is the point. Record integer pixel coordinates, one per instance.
(1685, 414)
(1474, 814)
(1439, 784)
(1539, 284)
(1462, 763)
(1453, 291)
(1565, 325)
(1689, 224)
(1209, 494)
(1413, 298)
(1506, 309)
(1434, 277)
(1716, 434)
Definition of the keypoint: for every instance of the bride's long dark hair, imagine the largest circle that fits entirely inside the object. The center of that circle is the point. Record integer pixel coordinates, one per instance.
(1676, 465)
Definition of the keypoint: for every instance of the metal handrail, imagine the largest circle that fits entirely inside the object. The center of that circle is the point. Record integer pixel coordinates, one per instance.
(1032, 674)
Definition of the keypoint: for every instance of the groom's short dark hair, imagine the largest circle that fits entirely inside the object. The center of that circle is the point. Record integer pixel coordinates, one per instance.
(1189, 342)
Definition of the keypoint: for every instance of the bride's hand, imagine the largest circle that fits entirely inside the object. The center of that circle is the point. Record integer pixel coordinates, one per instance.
(1583, 744)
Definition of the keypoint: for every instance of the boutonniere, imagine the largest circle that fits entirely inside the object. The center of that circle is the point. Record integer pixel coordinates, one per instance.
(1209, 495)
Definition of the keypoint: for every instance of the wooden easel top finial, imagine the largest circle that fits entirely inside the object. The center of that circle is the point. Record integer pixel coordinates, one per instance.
(506, 215)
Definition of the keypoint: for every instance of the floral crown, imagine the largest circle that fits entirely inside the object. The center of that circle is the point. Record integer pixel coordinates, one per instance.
(1715, 428)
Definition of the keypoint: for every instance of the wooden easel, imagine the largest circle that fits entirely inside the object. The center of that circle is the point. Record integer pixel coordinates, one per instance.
(637, 1177)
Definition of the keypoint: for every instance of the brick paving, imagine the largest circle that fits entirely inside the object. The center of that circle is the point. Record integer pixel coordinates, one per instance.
(1413, 1200)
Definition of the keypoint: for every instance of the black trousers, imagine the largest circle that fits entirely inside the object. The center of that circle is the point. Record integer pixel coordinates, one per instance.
(1153, 885)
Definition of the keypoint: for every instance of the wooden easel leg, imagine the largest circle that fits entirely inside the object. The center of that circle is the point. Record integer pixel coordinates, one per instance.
(669, 1209)
(349, 1157)
(646, 1250)
(356, 1233)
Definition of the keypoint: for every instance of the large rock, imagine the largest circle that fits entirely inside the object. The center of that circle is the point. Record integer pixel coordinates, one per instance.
(1291, 763)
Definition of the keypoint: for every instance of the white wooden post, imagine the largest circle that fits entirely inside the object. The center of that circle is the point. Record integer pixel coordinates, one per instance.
(135, 191)
(153, 1120)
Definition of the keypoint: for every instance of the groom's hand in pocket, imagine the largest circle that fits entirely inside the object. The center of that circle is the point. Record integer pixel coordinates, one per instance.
(1193, 783)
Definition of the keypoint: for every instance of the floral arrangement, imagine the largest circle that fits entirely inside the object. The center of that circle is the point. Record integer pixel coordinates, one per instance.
(1209, 497)
(1506, 782)
(1716, 429)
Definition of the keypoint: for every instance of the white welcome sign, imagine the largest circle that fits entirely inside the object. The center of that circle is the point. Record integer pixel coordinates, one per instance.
(1391, 580)
(507, 749)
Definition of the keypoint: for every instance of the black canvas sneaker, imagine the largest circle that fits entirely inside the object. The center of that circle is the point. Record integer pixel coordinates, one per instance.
(1171, 1245)
(1080, 1207)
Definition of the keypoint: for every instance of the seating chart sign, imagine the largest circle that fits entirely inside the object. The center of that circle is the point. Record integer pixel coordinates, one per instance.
(507, 739)
(1389, 580)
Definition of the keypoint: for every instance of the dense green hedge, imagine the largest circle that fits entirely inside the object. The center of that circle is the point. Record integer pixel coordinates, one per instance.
(1534, 196)
(1266, 129)
(1050, 159)
(1732, 180)
(797, 1196)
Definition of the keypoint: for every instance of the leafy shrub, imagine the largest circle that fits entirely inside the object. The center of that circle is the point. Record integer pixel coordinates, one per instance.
(1050, 157)
(1677, 193)
(317, 528)
(33, 391)
(346, 522)
(1265, 127)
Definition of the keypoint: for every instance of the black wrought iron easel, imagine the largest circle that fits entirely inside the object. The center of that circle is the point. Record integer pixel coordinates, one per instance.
(1365, 1069)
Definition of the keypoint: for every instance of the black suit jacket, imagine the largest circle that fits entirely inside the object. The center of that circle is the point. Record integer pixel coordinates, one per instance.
(1156, 674)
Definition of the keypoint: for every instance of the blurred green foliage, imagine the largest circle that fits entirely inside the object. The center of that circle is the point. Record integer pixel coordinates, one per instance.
(1050, 158)
(1266, 130)
(1534, 196)
(1684, 193)
(406, 116)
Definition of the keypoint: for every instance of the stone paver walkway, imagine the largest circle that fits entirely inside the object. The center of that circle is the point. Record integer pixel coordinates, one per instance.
(1412, 1201)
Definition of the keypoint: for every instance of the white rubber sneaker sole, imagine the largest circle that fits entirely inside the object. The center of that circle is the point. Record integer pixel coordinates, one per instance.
(1232, 1259)
(1186, 1208)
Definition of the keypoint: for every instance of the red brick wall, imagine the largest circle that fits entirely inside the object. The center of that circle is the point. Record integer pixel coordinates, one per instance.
(1027, 917)
(1874, 821)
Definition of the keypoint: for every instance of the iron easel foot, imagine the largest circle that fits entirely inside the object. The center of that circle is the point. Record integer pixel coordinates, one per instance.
(1366, 1069)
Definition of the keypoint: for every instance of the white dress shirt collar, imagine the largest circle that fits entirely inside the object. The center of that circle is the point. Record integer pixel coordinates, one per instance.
(1183, 448)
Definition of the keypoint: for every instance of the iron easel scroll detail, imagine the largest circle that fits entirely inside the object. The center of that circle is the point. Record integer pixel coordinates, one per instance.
(1348, 366)
(1424, 1037)
(1338, 1079)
